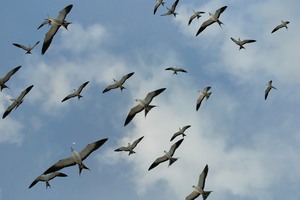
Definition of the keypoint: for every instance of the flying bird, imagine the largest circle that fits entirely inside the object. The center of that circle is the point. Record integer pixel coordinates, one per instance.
(26, 48)
(130, 147)
(180, 132)
(118, 84)
(55, 24)
(199, 189)
(76, 157)
(16, 102)
(283, 24)
(143, 104)
(158, 3)
(4, 79)
(240, 42)
(46, 178)
(213, 18)
(203, 94)
(171, 11)
(76, 93)
(168, 156)
(270, 86)
(176, 69)
(197, 14)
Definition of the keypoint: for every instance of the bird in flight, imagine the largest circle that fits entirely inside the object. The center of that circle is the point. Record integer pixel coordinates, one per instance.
(76, 157)
(171, 11)
(4, 79)
(283, 24)
(26, 48)
(76, 93)
(118, 84)
(143, 104)
(213, 18)
(197, 14)
(180, 132)
(176, 69)
(16, 102)
(203, 94)
(168, 155)
(269, 87)
(199, 189)
(46, 178)
(240, 42)
(55, 24)
(130, 147)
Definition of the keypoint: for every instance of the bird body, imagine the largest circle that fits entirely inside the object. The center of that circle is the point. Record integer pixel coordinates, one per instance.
(171, 11)
(282, 25)
(269, 87)
(130, 147)
(180, 132)
(240, 42)
(76, 93)
(213, 18)
(203, 94)
(26, 48)
(118, 84)
(176, 69)
(4, 79)
(46, 178)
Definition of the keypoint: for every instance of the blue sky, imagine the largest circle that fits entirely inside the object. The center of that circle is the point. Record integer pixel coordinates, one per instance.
(250, 145)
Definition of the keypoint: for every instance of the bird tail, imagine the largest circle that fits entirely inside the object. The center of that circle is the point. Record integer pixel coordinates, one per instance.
(4, 86)
(81, 167)
(131, 152)
(148, 108)
(242, 47)
(66, 24)
(47, 185)
(122, 87)
(205, 194)
(172, 160)
(220, 23)
(208, 95)
(175, 14)
(79, 96)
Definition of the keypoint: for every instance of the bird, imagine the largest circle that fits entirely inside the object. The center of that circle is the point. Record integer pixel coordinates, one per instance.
(203, 94)
(171, 11)
(16, 102)
(199, 189)
(176, 69)
(197, 14)
(46, 178)
(4, 79)
(240, 42)
(213, 18)
(143, 104)
(26, 48)
(76, 93)
(270, 86)
(180, 132)
(168, 155)
(283, 24)
(76, 157)
(118, 84)
(130, 147)
(158, 3)
(55, 24)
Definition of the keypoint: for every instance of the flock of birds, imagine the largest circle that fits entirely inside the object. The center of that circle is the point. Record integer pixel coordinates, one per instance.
(142, 104)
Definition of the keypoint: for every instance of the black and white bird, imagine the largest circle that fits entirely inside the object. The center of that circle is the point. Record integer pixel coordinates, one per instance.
(197, 14)
(168, 155)
(176, 69)
(143, 104)
(269, 87)
(199, 189)
(203, 94)
(26, 48)
(240, 42)
(46, 178)
(213, 18)
(118, 84)
(158, 3)
(76, 93)
(16, 102)
(130, 147)
(55, 24)
(76, 157)
(283, 24)
(4, 79)
(171, 11)
(180, 132)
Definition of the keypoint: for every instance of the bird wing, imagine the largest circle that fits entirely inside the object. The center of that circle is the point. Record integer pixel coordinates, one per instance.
(57, 174)
(191, 18)
(125, 77)
(46, 21)
(175, 146)
(277, 27)
(9, 109)
(122, 149)
(67, 162)
(136, 109)
(182, 70)
(35, 44)
(202, 177)
(81, 87)
(10, 73)
(174, 5)
(112, 86)
(91, 147)
(49, 36)
(193, 195)
(156, 7)
(186, 127)
(158, 161)
(267, 91)
(136, 142)
(204, 25)
(234, 40)
(69, 96)
(20, 46)
(153, 94)
(35, 181)
(63, 13)
(175, 135)
(219, 11)
(199, 101)
(170, 68)
(248, 41)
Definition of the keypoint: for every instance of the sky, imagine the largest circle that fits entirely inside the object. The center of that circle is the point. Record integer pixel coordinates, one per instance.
(251, 145)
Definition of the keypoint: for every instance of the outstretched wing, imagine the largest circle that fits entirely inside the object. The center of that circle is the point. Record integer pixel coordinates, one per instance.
(91, 147)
